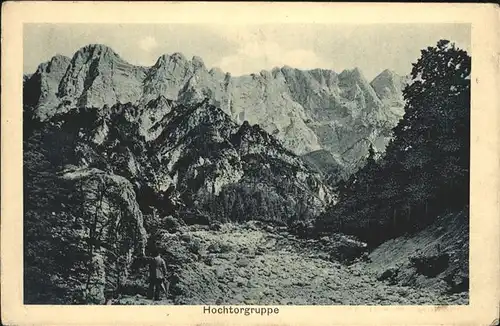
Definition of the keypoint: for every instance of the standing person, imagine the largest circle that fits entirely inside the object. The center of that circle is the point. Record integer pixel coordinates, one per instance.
(157, 275)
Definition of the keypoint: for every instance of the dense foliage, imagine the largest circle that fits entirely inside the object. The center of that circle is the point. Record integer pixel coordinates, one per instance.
(425, 171)
(75, 229)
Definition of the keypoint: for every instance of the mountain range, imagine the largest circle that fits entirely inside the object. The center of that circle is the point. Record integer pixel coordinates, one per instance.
(115, 152)
(307, 110)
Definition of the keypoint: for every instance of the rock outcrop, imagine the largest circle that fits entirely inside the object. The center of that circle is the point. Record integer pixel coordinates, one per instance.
(105, 178)
(82, 222)
(213, 162)
(41, 88)
(81, 236)
(97, 76)
(307, 110)
(255, 264)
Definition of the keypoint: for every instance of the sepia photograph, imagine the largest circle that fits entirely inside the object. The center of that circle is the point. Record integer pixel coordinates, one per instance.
(243, 168)
(301, 164)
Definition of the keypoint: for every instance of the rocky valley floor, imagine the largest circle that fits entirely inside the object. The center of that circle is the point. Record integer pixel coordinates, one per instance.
(247, 264)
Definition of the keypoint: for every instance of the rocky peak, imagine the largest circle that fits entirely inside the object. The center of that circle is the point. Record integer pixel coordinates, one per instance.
(209, 113)
(389, 86)
(166, 60)
(216, 71)
(185, 122)
(387, 72)
(97, 76)
(160, 101)
(197, 63)
(357, 88)
(252, 139)
(162, 60)
(58, 63)
(325, 77)
(97, 49)
(306, 110)
(167, 77)
(56, 66)
(253, 133)
(40, 90)
(352, 75)
(177, 56)
(265, 74)
(95, 52)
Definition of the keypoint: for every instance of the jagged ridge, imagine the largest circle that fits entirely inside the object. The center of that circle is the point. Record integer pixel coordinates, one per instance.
(301, 108)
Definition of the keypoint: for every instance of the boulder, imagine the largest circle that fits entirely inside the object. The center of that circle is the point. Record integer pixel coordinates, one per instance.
(430, 265)
(215, 226)
(344, 248)
(96, 246)
(214, 247)
(243, 262)
(389, 274)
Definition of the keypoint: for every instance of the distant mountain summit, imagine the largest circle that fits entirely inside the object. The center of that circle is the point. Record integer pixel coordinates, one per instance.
(389, 88)
(307, 110)
(97, 76)
(41, 88)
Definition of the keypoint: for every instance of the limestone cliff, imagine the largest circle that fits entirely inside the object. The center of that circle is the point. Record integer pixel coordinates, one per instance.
(307, 110)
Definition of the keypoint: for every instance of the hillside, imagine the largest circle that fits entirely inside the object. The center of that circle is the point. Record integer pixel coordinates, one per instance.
(255, 264)
(202, 168)
(270, 188)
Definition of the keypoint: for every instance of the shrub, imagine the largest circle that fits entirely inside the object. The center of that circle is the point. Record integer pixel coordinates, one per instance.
(431, 265)
(195, 246)
(303, 229)
(171, 224)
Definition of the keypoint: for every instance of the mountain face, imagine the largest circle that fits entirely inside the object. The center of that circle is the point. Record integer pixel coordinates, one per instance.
(98, 184)
(41, 88)
(306, 110)
(389, 88)
(326, 165)
(120, 160)
(113, 149)
(202, 153)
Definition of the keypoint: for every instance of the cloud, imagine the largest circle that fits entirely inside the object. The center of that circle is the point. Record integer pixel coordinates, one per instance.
(148, 43)
(256, 50)
(256, 56)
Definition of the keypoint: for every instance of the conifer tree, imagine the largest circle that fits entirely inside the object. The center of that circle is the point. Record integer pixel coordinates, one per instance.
(425, 170)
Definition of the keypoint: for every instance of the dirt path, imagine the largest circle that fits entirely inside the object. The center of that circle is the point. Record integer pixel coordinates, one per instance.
(250, 266)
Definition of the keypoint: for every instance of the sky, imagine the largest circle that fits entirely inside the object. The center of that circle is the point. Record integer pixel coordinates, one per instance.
(244, 49)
